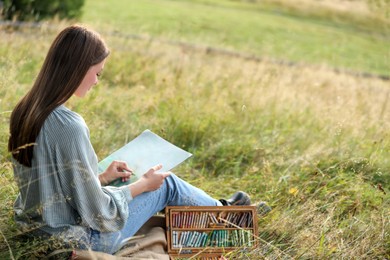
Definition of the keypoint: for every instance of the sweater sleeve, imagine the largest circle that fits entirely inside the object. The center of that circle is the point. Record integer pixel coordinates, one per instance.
(101, 208)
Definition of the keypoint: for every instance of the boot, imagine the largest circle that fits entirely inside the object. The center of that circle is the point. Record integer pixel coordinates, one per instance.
(239, 198)
(263, 208)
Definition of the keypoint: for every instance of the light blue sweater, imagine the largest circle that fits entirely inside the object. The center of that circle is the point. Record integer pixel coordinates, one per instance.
(61, 193)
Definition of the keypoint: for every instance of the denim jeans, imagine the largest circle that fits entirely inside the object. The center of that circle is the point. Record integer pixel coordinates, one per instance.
(173, 192)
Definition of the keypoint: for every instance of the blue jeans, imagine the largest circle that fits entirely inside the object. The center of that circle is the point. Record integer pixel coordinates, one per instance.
(173, 192)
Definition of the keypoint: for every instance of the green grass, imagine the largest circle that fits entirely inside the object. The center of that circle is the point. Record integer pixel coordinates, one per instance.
(268, 31)
(313, 143)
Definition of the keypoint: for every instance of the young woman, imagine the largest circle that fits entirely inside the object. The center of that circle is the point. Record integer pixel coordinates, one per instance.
(55, 166)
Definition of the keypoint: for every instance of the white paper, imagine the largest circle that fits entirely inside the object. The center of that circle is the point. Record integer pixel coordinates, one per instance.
(144, 152)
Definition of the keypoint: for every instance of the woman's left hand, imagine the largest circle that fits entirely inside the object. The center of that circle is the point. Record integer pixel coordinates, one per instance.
(117, 169)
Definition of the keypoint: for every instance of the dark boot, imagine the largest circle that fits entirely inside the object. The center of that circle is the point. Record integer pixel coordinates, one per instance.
(263, 208)
(239, 198)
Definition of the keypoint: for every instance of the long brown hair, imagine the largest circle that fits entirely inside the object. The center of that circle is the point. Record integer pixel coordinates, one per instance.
(70, 56)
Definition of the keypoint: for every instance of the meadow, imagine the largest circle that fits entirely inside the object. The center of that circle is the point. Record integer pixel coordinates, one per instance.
(310, 140)
(306, 33)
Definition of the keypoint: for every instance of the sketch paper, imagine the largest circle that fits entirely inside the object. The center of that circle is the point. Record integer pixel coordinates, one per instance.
(144, 152)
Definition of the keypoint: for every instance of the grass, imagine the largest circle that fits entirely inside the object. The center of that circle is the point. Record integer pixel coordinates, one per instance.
(271, 31)
(311, 142)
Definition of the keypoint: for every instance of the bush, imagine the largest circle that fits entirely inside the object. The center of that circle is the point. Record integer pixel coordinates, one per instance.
(36, 10)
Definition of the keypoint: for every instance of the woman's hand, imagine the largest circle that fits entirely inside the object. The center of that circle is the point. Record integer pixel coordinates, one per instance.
(151, 180)
(117, 169)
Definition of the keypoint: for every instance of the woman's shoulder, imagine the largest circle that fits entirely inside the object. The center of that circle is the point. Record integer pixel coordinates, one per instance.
(63, 120)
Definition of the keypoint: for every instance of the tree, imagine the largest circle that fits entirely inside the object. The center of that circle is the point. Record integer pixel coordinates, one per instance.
(36, 10)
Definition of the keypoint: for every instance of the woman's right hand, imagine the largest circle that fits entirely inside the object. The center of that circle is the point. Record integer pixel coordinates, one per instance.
(151, 180)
